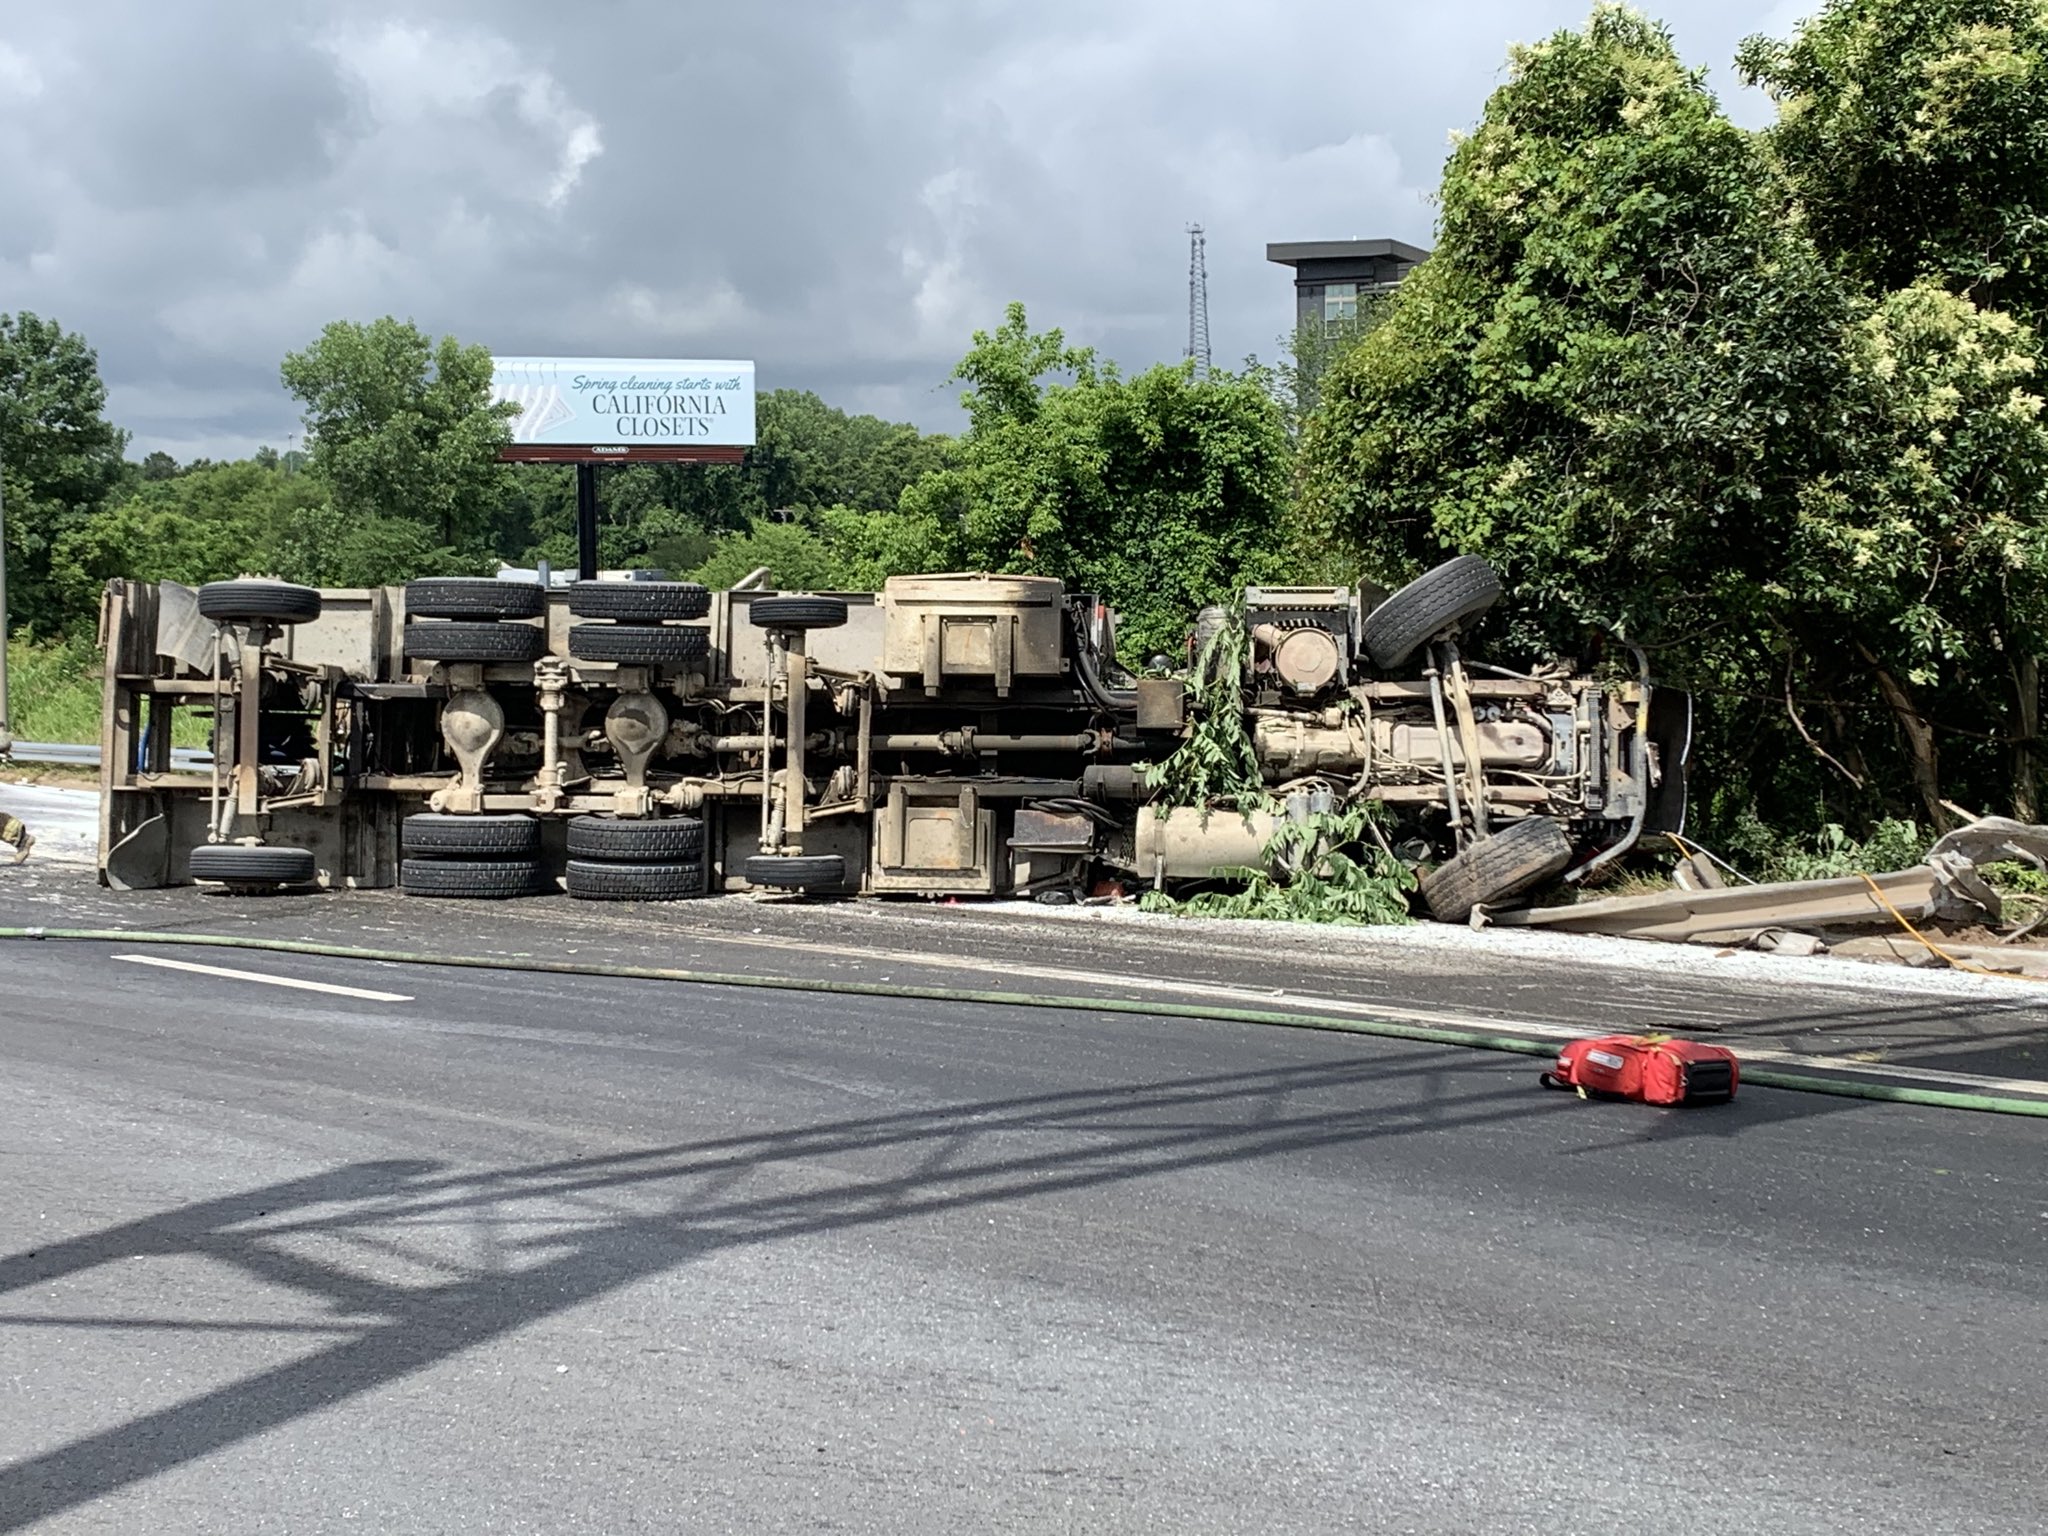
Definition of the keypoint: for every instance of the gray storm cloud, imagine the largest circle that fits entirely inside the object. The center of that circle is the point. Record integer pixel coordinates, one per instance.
(839, 191)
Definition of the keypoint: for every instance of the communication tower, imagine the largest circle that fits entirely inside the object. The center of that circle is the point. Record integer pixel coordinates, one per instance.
(1198, 301)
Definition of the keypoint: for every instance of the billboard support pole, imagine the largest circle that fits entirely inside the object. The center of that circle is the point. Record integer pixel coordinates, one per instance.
(586, 522)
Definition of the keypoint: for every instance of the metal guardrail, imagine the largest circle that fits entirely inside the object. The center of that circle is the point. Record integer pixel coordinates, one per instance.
(84, 755)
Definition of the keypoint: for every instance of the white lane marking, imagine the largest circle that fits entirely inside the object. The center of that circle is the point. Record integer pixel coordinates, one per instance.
(274, 981)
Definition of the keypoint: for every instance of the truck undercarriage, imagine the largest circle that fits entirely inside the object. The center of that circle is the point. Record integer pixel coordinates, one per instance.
(952, 735)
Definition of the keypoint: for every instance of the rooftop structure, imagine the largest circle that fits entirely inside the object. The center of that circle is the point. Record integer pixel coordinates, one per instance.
(1331, 275)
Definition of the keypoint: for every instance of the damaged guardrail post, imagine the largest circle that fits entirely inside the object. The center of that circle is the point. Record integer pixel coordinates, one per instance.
(1945, 886)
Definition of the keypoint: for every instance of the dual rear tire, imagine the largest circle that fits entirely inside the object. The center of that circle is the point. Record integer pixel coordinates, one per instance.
(659, 859)
(637, 623)
(478, 858)
(497, 857)
(474, 619)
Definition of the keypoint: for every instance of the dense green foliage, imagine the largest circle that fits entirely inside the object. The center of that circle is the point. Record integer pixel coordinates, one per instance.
(1593, 378)
(1913, 135)
(1217, 764)
(54, 691)
(1159, 492)
(59, 457)
(1761, 853)
(401, 426)
(230, 518)
(717, 522)
(1631, 377)
(1311, 351)
(401, 479)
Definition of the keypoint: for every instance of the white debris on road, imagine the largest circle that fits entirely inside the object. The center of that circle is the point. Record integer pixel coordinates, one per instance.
(66, 826)
(1444, 943)
(64, 822)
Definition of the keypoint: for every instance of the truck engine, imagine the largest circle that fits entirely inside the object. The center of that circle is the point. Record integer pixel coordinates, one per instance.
(952, 735)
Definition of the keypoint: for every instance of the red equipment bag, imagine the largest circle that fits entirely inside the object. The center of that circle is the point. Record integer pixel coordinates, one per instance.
(1652, 1069)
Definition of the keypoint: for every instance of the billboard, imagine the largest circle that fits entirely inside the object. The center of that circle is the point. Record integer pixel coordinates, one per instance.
(599, 409)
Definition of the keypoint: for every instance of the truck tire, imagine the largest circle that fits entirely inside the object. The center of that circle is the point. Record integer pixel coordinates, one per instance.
(1456, 592)
(639, 602)
(473, 640)
(431, 835)
(590, 880)
(473, 597)
(797, 613)
(258, 602)
(794, 872)
(476, 879)
(661, 840)
(240, 866)
(1519, 855)
(640, 645)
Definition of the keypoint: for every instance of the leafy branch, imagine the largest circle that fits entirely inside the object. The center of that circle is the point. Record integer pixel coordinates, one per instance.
(1217, 765)
(1326, 868)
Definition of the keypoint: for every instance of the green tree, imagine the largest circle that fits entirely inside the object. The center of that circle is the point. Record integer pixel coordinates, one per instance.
(808, 457)
(401, 426)
(1913, 137)
(1919, 567)
(59, 456)
(844, 549)
(1312, 351)
(198, 527)
(1609, 374)
(810, 454)
(1629, 377)
(798, 557)
(1160, 493)
(217, 521)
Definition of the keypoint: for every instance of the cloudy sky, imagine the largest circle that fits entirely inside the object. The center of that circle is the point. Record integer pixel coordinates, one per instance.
(842, 190)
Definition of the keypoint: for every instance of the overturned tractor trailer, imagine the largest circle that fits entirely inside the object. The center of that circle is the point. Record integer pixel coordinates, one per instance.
(951, 735)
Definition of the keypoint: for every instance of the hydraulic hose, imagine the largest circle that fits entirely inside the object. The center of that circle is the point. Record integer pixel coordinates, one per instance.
(1391, 1029)
(1091, 682)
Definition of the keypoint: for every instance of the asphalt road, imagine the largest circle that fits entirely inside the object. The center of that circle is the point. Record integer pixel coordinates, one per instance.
(512, 1253)
(1854, 1013)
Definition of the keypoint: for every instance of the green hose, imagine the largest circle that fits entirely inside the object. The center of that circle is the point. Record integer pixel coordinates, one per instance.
(1766, 1077)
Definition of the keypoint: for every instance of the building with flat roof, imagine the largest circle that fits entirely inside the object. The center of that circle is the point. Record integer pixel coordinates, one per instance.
(1330, 276)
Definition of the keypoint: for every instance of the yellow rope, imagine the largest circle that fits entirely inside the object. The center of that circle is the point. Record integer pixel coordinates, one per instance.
(1885, 901)
(1961, 965)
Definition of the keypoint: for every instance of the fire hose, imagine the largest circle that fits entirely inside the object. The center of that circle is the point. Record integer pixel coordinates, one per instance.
(1760, 1075)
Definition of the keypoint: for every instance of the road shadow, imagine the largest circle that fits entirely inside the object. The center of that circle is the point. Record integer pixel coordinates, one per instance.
(1996, 1037)
(557, 1234)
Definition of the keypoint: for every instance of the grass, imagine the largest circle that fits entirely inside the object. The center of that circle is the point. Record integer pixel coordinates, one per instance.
(53, 691)
(54, 694)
